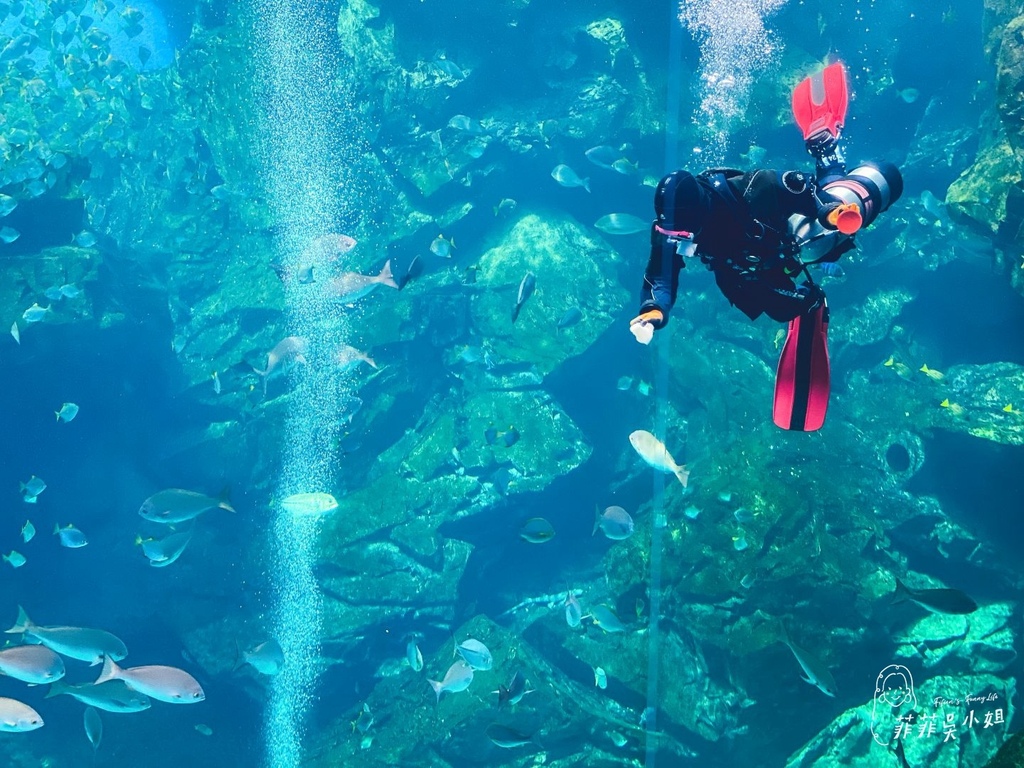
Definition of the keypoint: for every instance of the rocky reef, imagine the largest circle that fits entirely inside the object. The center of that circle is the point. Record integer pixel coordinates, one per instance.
(489, 375)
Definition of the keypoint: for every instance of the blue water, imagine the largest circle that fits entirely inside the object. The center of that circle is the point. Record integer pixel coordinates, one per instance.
(189, 192)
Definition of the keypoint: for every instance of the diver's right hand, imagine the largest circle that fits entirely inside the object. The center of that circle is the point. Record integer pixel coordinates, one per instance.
(654, 317)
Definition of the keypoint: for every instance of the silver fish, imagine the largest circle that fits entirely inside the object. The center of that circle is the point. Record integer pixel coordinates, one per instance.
(74, 642)
(291, 349)
(614, 522)
(526, 287)
(32, 664)
(456, 679)
(168, 684)
(17, 717)
(476, 654)
(441, 247)
(176, 505)
(622, 224)
(93, 727)
(267, 658)
(507, 738)
(567, 177)
(112, 696)
(653, 451)
(28, 531)
(816, 672)
(603, 156)
(349, 287)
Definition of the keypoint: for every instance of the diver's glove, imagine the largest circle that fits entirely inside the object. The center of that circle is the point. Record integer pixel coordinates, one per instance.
(652, 316)
(845, 217)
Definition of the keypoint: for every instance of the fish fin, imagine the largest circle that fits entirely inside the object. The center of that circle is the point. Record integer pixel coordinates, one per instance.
(586, 184)
(22, 625)
(110, 671)
(682, 474)
(224, 497)
(240, 660)
(386, 277)
(597, 524)
(56, 689)
(57, 414)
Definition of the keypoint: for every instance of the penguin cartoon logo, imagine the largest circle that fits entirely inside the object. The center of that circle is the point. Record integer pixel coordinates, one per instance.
(894, 689)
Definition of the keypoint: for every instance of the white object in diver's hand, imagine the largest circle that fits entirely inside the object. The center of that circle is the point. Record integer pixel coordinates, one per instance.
(643, 332)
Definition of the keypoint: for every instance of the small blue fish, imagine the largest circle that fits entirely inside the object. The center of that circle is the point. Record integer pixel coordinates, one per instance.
(69, 291)
(537, 530)
(569, 318)
(414, 656)
(476, 654)
(739, 543)
(743, 515)
(441, 247)
(67, 412)
(600, 678)
(16, 559)
(28, 531)
(32, 489)
(605, 618)
(70, 537)
(692, 512)
(624, 383)
(34, 314)
(832, 269)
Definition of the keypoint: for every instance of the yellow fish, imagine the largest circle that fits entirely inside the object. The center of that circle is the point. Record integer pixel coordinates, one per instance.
(890, 362)
(954, 408)
(1008, 408)
(779, 336)
(931, 373)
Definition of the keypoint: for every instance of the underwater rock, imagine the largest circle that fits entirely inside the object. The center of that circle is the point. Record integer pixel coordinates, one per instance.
(862, 736)
(871, 321)
(982, 401)
(980, 643)
(572, 268)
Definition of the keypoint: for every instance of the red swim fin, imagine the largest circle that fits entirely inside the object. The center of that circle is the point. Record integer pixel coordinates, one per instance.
(820, 101)
(802, 383)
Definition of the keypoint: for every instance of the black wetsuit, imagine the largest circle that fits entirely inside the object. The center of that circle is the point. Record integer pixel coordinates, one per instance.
(740, 226)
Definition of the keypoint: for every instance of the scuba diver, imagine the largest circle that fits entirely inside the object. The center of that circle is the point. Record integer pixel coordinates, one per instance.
(757, 231)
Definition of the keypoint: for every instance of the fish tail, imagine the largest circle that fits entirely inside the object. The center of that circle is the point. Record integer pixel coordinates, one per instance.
(240, 660)
(586, 184)
(110, 671)
(682, 474)
(22, 625)
(386, 276)
(900, 594)
(57, 414)
(438, 688)
(56, 528)
(597, 524)
(515, 312)
(57, 687)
